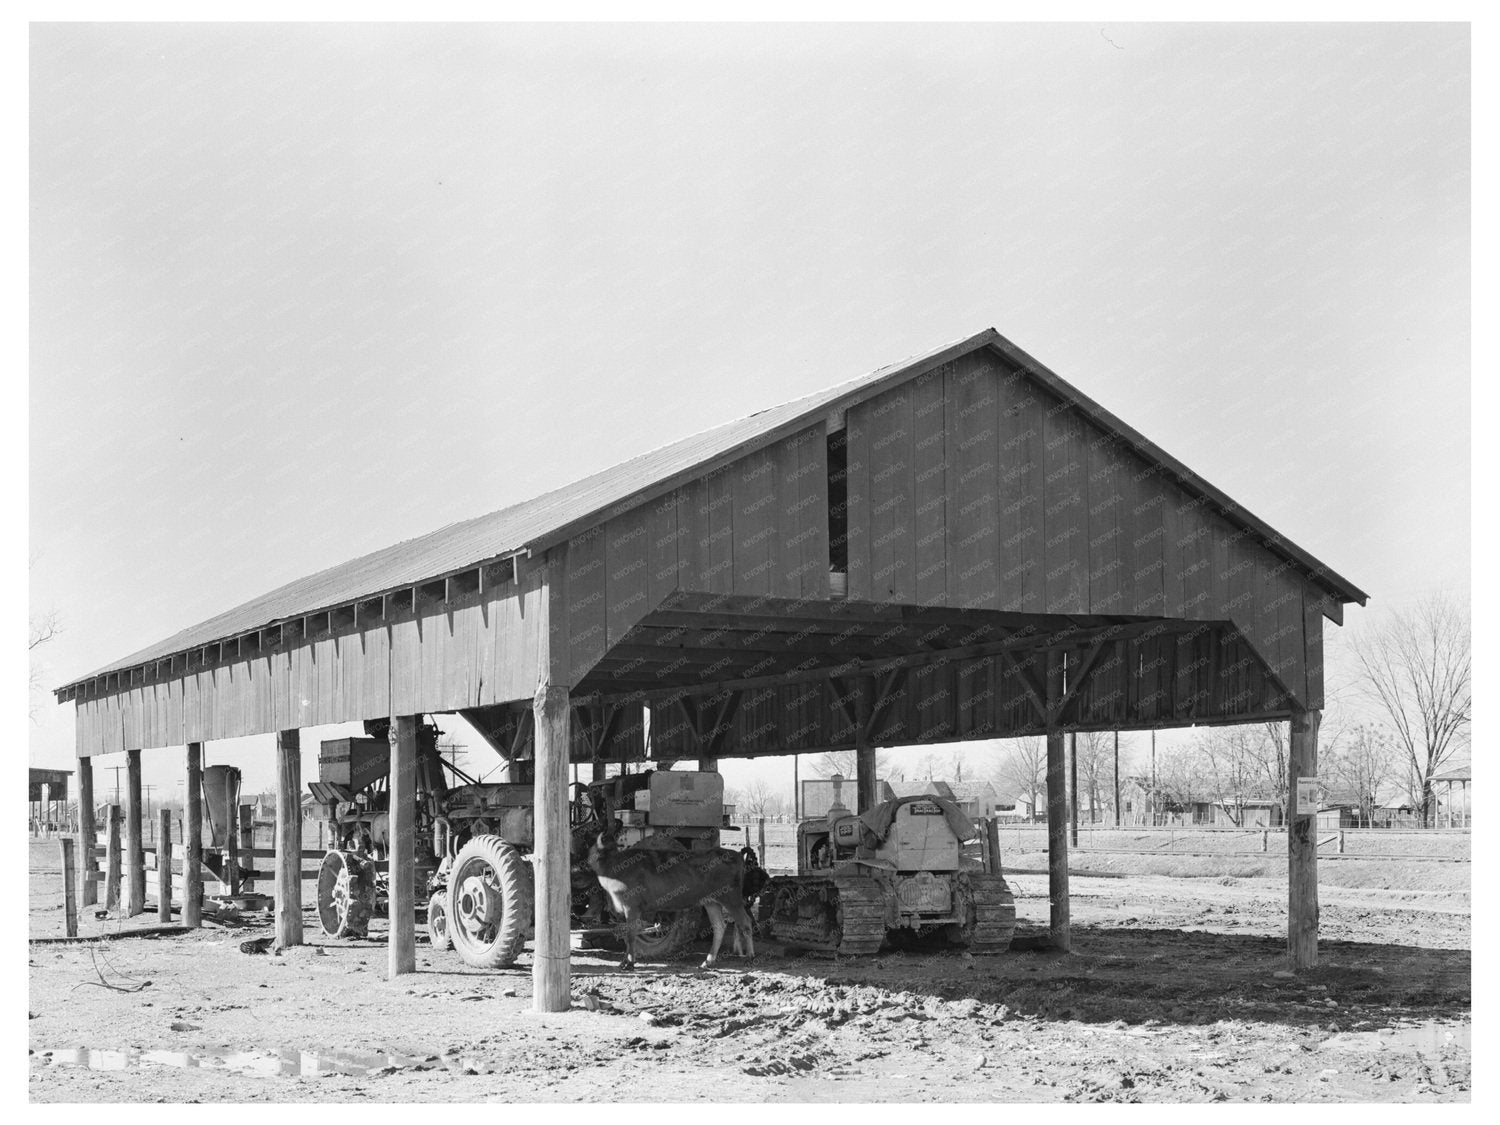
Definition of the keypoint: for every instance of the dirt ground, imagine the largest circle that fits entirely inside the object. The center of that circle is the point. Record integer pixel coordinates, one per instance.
(1176, 992)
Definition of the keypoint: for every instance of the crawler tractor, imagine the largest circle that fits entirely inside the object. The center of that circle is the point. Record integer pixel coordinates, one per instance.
(474, 840)
(897, 872)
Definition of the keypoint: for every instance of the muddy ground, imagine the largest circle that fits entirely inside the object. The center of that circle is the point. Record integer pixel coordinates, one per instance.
(1176, 991)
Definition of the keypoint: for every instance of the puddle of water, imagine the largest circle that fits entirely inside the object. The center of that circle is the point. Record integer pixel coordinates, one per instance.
(281, 1063)
(1432, 1039)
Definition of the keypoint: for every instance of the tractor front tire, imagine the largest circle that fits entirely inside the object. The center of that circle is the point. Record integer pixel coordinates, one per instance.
(489, 903)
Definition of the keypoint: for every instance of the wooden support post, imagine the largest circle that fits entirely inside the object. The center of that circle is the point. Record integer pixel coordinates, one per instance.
(192, 824)
(164, 869)
(401, 951)
(864, 753)
(87, 835)
(1073, 782)
(598, 771)
(288, 839)
(135, 847)
(232, 848)
(760, 832)
(70, 892)
(246, 822)
(1057, 841)
(1057, 808)
(708, 765)
(112, 863)
(992, 838)
(1302, 843)
(550, 969)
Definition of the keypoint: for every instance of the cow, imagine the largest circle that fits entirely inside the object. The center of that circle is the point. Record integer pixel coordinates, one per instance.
(641, 880)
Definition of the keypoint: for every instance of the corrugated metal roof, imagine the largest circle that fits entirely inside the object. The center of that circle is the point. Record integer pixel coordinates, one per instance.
(546, 519)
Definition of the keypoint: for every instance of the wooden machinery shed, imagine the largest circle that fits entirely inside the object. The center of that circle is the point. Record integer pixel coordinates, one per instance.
(959, 546)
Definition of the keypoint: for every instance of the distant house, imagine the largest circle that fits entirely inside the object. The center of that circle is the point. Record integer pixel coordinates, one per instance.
(976, 798)
(1248, 812)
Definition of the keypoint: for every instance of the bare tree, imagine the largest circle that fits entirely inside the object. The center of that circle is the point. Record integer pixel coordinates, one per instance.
(759, 798)
(1182, 780)
(1096, 763)
(1023, 770)
(1233, 758)
(1416, 670)
(41, 628)
(1361, 766)
(844, 763)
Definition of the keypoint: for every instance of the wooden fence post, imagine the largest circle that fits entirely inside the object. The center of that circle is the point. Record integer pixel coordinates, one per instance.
(761, 844)
(112, 863)
(992, 838)
(232, 849)
(70, 892)
(164, 869)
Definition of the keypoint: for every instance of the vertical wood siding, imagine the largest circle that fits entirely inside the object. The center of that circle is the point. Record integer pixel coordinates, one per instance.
(1017, 502)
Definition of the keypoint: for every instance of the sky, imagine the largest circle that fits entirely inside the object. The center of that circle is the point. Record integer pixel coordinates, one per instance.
(300, 292)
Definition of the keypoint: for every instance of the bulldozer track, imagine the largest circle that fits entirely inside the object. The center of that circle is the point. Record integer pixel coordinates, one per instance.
(851, 919)
(994, 912)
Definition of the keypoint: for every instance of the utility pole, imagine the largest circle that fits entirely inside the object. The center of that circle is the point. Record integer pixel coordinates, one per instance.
(1117, 779)
(117, 770)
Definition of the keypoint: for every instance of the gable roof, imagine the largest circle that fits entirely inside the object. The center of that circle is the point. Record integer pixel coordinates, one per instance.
(533, 525)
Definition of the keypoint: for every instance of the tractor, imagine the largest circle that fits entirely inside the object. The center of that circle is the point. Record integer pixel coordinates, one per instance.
(896, 873)
(474, 840)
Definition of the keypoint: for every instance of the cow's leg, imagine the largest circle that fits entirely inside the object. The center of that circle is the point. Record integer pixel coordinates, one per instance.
(632, 926)
(741, 918)
(716, 919)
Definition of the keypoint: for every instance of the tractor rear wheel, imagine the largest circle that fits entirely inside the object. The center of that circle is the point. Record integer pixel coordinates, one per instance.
(437, 922)
(665, 932)
(489, 903)
(346, 894)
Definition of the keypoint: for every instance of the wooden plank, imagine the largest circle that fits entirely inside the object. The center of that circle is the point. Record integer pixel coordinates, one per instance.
(112, 862)
(1301, 845)
(752, 481)
(70, 888)
(87, 835)
(626, 571)
(1312, 642)
(888, 426)
(402, 942)
(857, 433)
(1171, 547)
(720, 541)
(550, 968)
(289, 839)
(1106, 523)
(809, 528)
(972, 519)
(1146, 589)
(929, 489)
(1065, 528)
(164, 867)
(661, 550)
(192, 883)
(587, 597)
